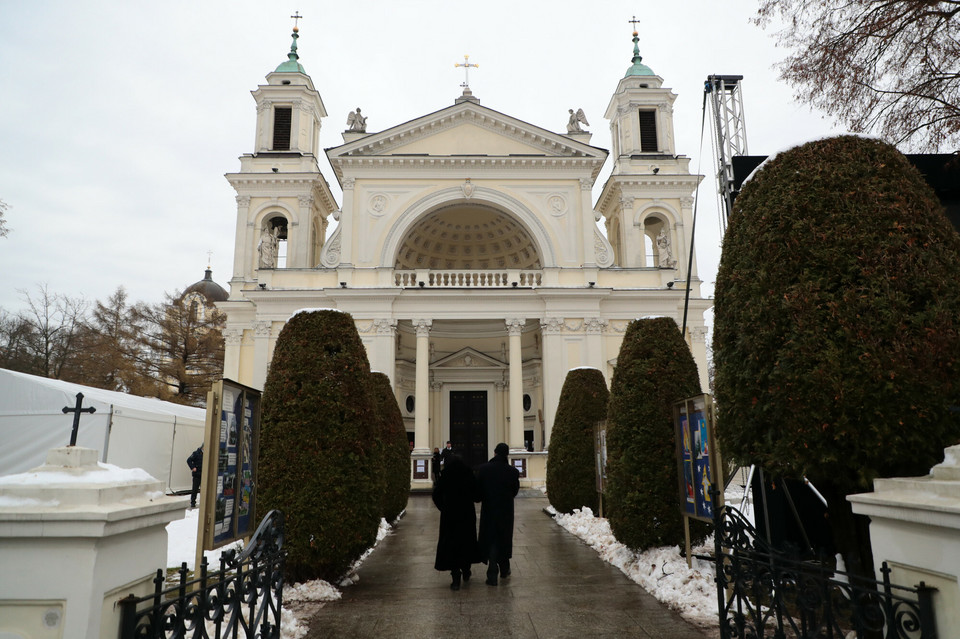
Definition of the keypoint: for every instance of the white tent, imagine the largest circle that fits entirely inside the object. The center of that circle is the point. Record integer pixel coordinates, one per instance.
(129, 431)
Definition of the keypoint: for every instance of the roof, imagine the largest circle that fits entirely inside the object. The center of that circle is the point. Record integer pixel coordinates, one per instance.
(212, 291)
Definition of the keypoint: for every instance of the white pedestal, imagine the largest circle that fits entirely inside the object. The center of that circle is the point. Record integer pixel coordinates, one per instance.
(79, 536)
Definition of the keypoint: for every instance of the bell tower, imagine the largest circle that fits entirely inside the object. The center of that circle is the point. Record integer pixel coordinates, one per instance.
(647, 201)
(283, 201)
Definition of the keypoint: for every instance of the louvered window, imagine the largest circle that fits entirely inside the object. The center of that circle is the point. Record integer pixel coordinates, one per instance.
(281, 128)
(648, 132)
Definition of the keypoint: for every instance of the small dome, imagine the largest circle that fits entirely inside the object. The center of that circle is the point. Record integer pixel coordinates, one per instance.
(212, 291)
(638, 68)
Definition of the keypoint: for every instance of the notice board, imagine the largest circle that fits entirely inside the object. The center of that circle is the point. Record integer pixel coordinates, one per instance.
(698, 460)
(228, 487)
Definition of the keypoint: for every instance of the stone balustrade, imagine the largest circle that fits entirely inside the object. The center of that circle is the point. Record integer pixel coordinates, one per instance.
(468, 278)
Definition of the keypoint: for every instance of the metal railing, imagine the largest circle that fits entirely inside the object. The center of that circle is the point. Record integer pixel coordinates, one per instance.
(765, 594)
(244, 598)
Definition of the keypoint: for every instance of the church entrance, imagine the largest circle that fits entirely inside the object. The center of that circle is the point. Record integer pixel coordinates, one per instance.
(468, 425)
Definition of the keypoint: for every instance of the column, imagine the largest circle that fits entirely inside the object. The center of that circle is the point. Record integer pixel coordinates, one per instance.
(232, 338)
(261, 354)
(515, 431)
(346, 220)
(588, 227)
(594, 327)
(436, 416)
(384, 356)
(421, 420)
(554, 372)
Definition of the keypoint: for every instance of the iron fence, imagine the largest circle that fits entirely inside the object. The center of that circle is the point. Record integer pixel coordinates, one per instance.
(762, 593)
(244, 598)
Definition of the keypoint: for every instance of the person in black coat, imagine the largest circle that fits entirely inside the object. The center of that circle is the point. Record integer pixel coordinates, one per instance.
(497, 484)
(453, 495)
(195, 463)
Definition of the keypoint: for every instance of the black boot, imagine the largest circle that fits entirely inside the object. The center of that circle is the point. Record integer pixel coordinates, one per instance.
(466, 574)
(455, 574)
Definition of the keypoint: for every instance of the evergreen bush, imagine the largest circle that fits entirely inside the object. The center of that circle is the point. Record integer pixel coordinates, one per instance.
(836, 340)
(391, 437)
(317, 432)
(655, 369)
(571, 466)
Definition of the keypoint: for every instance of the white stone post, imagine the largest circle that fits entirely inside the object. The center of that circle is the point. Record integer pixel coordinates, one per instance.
(385, 348)
(515, 431)
(421, 420)
(76, 537)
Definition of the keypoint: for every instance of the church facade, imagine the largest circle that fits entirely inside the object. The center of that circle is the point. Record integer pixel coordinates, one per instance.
(468, 250)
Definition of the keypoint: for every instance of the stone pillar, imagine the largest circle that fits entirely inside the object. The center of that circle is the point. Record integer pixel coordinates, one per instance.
(421, 421)
(436, 416)
(261, 354)
(588, 229)
(553, 372)
(385, 348)
(346, 222)
(244, 251)
(698, 348)
(76, 538)
(515, 430)
(594, 327)
(232, 338)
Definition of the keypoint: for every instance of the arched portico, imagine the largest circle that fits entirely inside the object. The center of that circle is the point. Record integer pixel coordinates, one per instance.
(481, 198)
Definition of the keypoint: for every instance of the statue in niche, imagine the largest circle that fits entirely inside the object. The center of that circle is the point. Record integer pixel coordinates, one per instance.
(269, 242)
(573, 124)
(356, 123)
(663, 250)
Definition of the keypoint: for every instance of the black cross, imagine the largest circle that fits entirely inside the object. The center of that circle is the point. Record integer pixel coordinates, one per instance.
(76, 410)
(296, 18)
(634, 22)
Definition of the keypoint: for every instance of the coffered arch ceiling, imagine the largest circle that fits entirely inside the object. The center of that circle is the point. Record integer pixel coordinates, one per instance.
(467, 236)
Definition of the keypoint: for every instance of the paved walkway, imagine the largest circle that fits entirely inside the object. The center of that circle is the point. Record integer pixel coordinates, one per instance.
(558, 588)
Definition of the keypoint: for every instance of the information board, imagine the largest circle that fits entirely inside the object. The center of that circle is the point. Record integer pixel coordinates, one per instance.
(698, 460)
(230, 464)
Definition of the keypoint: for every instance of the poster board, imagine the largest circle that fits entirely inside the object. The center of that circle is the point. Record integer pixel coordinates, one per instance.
(231, 446)
(698, 459)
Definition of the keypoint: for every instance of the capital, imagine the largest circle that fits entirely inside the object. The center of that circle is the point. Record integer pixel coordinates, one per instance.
(243, 201)
(385, 326)
(232, 336)
(423, 327)
(515, 325)
(262, 329)
(595, 325)
(551, 325)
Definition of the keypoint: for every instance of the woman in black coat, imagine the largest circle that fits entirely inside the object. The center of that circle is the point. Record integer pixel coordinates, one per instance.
(457, 545)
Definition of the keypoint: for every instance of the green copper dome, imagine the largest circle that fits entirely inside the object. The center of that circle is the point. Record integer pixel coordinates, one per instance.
(638, 68)
(291, 65)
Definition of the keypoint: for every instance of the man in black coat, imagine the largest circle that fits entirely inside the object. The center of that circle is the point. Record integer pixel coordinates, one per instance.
(195, 462)
(498, 483)
(453, 495)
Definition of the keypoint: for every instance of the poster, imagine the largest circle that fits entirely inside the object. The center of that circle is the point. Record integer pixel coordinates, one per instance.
(696, 458)
(233, 424)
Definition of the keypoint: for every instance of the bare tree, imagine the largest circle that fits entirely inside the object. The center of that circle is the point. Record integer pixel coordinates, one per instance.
(3, 223)
(889, 66)
(54, 322)
(15, 354)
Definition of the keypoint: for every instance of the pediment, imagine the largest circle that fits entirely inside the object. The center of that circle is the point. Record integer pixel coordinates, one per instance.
(466, 129)
(468, 358)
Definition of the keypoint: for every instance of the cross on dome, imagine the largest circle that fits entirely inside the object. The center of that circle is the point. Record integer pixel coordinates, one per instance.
(296, 18)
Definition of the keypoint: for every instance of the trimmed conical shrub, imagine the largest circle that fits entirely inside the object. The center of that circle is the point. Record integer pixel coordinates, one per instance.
(655, 369)
(317, 434)
(391, 438)
(571, 466)
(837, 342)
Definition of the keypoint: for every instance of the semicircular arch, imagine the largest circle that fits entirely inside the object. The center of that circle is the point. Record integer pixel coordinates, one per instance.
(491, 198)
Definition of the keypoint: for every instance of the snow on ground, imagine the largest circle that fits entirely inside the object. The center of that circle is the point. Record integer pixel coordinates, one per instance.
(660, 571)
(300, 601)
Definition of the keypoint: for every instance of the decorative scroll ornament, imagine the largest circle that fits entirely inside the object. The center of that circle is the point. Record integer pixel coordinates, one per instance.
(330, 255)
(602, 251)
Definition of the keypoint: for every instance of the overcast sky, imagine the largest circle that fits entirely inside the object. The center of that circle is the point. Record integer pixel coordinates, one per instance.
(118, 120)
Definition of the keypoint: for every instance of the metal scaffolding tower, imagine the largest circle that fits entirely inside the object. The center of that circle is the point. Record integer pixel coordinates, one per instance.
(730, 133)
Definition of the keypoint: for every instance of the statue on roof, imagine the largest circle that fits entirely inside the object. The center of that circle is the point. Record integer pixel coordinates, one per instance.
(573, 124)
(356, 123)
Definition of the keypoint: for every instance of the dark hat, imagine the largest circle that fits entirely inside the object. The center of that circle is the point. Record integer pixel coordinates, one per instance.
(501, 449)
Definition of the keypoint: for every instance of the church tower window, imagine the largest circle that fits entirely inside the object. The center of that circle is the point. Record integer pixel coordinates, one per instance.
(282, 119)
(648, 132)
